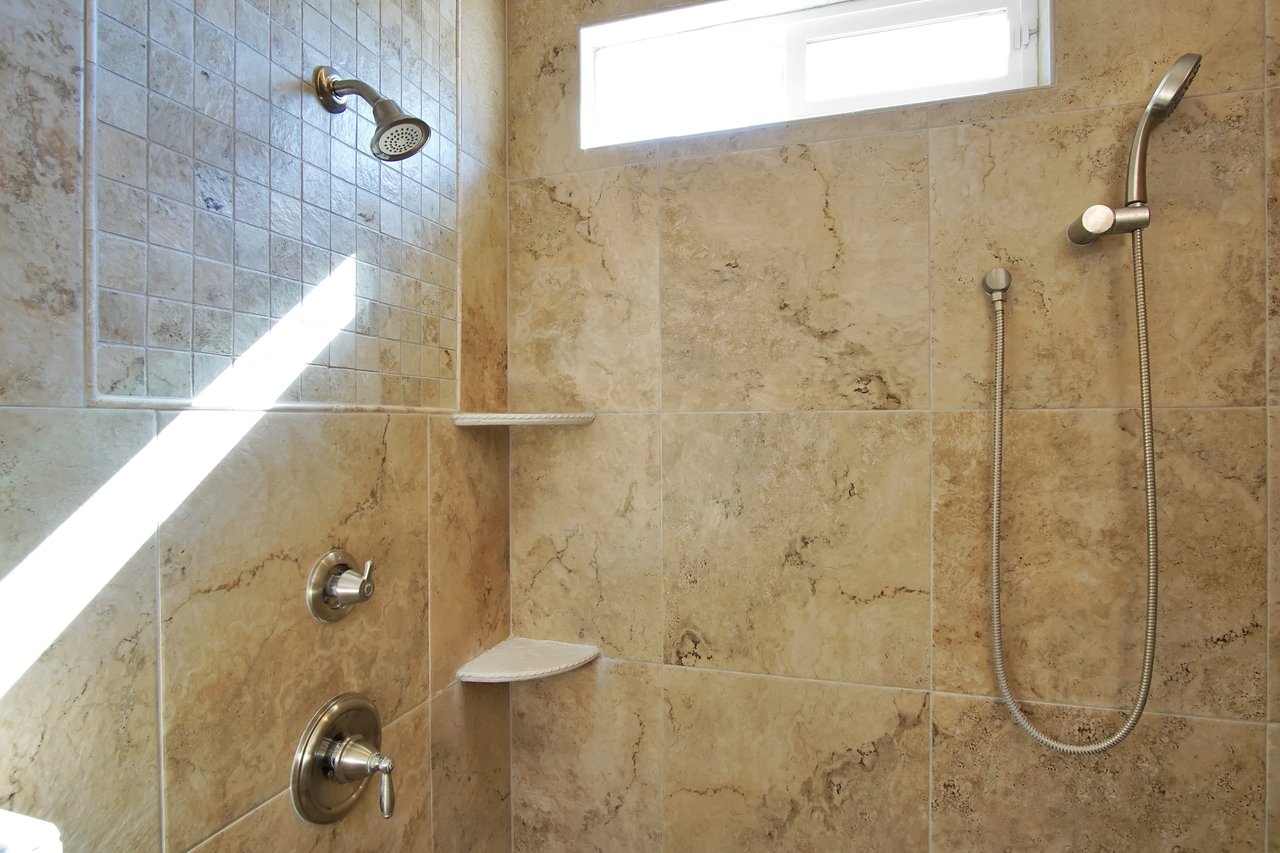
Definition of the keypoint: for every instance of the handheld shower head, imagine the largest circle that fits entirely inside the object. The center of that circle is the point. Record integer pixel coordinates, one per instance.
(398, 135)
(1163, 102)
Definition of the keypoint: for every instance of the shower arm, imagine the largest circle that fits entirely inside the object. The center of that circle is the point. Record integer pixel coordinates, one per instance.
(332, 90)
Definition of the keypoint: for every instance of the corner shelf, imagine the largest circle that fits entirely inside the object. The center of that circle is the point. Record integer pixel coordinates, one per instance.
(522, 659)
(481, 419)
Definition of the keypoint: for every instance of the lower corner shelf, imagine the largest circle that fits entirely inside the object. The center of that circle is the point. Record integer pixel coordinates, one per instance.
(522, 659)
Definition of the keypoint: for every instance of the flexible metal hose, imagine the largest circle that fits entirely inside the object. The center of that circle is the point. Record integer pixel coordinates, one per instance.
(1149, 462)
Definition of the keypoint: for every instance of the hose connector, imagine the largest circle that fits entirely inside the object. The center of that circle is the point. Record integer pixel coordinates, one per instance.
(996, 283)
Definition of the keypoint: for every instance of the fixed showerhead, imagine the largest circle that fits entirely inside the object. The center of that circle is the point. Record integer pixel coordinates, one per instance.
(1163, 102)
(398, 135)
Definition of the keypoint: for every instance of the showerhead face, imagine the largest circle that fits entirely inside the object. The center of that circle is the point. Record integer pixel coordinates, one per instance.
(1175, 84)
(398, 139)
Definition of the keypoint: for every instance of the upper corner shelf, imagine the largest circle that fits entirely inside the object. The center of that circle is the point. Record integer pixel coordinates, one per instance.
(522, 659)
(476, 419)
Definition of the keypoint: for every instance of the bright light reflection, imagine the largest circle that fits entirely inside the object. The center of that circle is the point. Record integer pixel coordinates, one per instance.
(961, 49)
(44, 593)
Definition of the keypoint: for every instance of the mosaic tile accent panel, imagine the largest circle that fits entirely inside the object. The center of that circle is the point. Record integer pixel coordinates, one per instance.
(224, 194)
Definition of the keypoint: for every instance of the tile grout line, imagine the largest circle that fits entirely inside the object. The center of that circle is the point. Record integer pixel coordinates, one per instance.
(928, 161)
(1268, 233)
(662, 530)
(506, 240)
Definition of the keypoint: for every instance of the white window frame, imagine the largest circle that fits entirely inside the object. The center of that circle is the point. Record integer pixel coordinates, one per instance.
(800, 22)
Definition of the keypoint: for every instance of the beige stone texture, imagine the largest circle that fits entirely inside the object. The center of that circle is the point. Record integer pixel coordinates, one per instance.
(1273, 240)
(586, 760)
(275, 826)
(241, 651)
(1114, 53)
(1074, 557)
(584, 292)
(1273, 789)
(1273, 567)
(543, 91)
(471, 769)
(1177, 783)
(484, 288)
(1272, 33)
(795, 278)
(83, 717)
(483, 112)
(798, 545)
(758, 763)
(467, 535)
(41, 227)
(1004, 193)
(586, 534)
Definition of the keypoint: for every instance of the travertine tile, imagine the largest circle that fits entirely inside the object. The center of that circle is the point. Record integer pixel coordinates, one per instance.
(1004, 194)
(483, 225)
(1176, 783)
(755, 763)
(41, 250)
(1273, 568)
(1074, 557)
(1108, 53)
(484, 90)
(274, 825)
(467, 533)
(1273, 239)
(586, 760)
(471, 769)
(1273, 788)
(584, 292)
(234, 559)
(874, 123)
(794, 278)
(543, 92)
(585, 528)
(798, 545)
(1272, 75)
(83, 717)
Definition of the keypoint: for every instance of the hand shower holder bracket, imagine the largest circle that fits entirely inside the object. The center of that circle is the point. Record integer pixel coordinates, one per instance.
(1101, 220)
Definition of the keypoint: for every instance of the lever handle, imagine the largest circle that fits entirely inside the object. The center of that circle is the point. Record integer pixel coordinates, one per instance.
(386, 791)
(351, 587)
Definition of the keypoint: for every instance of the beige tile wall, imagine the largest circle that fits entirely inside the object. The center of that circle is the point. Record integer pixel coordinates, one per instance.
(788, 581)
(165, 716)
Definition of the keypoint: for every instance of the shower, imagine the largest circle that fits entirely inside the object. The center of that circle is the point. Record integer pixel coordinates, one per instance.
(1097, 221)
(397, 135)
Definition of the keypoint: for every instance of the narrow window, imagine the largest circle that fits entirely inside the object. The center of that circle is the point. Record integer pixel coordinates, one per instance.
(740, 63)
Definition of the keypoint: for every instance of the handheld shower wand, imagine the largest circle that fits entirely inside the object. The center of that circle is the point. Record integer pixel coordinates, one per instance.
(1100, 219)
(1092, 224)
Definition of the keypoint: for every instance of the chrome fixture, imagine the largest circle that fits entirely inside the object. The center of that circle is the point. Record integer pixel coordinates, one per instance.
(334, 587)
(398, 135)
(338, 750)
(1095, 222)
(1100, 220)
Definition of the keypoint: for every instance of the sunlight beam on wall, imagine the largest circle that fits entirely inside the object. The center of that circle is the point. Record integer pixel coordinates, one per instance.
(45, 593)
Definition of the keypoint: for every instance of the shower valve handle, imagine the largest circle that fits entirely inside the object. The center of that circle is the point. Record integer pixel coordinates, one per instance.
(1099, 220)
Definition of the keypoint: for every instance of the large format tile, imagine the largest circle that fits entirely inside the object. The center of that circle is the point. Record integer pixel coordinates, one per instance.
(483, 345)
(1273, 239)
(1273, 567)
(78, 729)
(1108, 53)
(41, 227)
(1175, 784)
(245, 663)
(584, 292)
(755, 763)
(275, 826)
(467, 529)
(1273, 789)
(795, 278)
(1004, 193)
(483, 92)
(471, 769)
(543, 91)
(586, 533)
(798, 544)
(586, 760)
(1074, 557)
